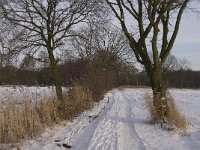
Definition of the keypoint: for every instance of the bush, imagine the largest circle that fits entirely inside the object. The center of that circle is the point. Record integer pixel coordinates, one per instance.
(100, 83)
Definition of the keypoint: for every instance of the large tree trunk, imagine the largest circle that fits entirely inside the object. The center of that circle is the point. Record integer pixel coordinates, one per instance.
(57, 77)
(159, 92)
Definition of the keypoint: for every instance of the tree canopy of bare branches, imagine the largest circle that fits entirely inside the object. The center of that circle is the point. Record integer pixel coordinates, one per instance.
(101, 38)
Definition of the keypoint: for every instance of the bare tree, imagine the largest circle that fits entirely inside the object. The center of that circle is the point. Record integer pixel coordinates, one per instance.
(174, 64)
(47, 24)
(101, 38)
(153, 26)
(28, 63)
(10, 42)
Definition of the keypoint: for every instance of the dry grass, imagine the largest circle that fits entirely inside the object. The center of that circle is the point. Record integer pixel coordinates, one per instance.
(174, 119)
(27, 119)
(175, 116)
(18, 123)
(76, 101)
(153, 117)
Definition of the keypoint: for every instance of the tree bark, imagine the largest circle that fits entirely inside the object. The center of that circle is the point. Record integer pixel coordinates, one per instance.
(159, 89)
(56, 75)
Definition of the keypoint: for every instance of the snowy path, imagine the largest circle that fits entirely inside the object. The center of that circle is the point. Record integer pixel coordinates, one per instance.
(119, 123)
(114, 128)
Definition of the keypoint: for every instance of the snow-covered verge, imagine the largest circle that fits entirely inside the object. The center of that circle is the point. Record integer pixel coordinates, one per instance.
(20, 93)
(119, 122)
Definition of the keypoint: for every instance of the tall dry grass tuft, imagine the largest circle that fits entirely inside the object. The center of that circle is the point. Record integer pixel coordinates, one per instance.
(153, 117)
(26, 120)
(174, 119)
(78, 99)
(18, 122)
(48, 113)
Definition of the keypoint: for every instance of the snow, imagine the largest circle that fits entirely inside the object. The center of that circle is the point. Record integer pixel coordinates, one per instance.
(20, 93)
(119, 122)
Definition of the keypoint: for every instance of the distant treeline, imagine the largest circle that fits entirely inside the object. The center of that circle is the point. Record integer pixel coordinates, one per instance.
(104, 67)
(72, 70)
(175, 79)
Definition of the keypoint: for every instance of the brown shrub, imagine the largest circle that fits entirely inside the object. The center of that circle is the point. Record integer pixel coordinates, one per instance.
(174, 119)
(99, 83)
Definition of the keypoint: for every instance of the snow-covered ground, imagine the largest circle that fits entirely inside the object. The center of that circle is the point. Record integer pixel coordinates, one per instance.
(20, 93)
(119, 122)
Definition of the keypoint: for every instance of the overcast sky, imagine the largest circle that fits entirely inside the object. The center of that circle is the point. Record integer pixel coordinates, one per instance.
(188, 41)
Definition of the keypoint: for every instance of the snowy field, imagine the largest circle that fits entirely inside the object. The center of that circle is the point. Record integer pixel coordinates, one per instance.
(119, 122)
(18, 94)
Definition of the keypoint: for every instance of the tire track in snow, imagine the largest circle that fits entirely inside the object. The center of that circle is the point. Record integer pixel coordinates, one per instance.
(83, 141)
(130, 138)
(105, 135)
